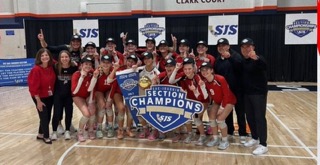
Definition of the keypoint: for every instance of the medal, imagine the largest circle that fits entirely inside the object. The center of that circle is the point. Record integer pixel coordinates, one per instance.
(145, 82)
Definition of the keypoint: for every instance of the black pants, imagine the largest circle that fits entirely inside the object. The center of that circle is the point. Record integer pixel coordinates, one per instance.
(241, 118)
(255, 107)
(62, 102)
(44, 115)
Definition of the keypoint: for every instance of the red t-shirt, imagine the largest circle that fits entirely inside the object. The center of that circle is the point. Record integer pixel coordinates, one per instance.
(185, 82)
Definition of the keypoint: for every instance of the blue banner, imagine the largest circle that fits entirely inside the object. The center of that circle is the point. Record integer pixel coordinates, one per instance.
(165, 107)
(15, 71)
(128, 82)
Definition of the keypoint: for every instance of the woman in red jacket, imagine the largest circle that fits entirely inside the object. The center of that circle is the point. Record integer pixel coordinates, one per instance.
(41, 80)
(223, 103)
(82, 87)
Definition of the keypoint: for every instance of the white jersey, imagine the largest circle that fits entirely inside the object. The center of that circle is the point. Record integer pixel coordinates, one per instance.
(152, 74)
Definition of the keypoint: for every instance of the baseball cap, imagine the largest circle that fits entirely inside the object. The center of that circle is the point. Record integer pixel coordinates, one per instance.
(110, 39)
(202, 43)
(106, 58)
(133, 57)
(184, 42)
(130, 41)
(151, 39)
(171, 62)
(163, 42)
(90, 43)
(86, 59)
(147, 55)
(247, 41)
(76, 37)
(222, 41)
(188, 61)
(206, 64)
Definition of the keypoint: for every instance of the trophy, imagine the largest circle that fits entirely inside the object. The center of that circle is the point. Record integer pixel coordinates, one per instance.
(145, 82)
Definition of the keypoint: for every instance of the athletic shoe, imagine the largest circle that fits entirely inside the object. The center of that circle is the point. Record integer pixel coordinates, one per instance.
(106, 127)
(67, 135)
(81, 137)
(223, 145)
(251, 142)
(176, 138)
(213, 142)
(260, 150)
(230, 138)
(73, 129)
(120, 134)
(243, 139)
(201, 140)
(162, 136)
(92, 135)
(130, 133)
(60, 129)
(145, 133)
(116, 126)
(154, 135)
(99, 134)
(188, 139)
(54, 136)
(110, 132)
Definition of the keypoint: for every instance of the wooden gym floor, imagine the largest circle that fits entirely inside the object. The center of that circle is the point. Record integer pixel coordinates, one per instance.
(292, 138)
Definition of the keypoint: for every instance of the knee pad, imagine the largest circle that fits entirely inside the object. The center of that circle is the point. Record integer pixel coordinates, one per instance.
(109, 112)
(101, 113)
(197, 122)
(84, 120)
(213, 123)
(92, 119)
(120, 117)
(222, 124)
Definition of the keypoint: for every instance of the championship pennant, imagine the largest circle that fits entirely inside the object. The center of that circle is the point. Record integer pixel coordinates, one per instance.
(165, 107)
(128, 82)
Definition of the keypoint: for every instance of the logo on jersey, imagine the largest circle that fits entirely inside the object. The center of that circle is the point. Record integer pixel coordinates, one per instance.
(165, 107)
(301, 27)
(151, 30)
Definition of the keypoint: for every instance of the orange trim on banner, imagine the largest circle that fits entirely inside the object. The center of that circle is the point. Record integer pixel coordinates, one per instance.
(297, 8)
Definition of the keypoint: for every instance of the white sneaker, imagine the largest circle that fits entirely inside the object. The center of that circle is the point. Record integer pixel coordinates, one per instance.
(54, 135)
(223, 145)
(201, 140)
(251, 142)
(188, 139)
(72, 129)
(213, 142)
(260, 150)
(67, 135)
(60, 129)
(243, 139)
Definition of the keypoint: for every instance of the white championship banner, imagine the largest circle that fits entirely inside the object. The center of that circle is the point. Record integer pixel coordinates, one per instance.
(301, 29)
(151, 27)
(88, 30)
(223, 27)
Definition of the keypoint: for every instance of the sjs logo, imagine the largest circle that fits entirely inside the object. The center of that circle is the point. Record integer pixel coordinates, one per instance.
(129, 84)
(165, 107)
(89, 33)
(301, 27)
(151, 30)
(224, 30)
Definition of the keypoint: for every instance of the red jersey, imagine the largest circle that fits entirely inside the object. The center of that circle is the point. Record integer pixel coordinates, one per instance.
(199, 60)
(185, 82)
(102, 84)
(41, 81)
(220, 92)
(83, 91)
(161, 62)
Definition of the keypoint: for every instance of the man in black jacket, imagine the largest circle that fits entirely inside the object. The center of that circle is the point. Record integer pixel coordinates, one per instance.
(255, 85)
(228, 64)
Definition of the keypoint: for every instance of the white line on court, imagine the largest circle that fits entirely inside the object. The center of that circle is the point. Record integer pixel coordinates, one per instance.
(292, 134)
(191, 151)
(66, 152)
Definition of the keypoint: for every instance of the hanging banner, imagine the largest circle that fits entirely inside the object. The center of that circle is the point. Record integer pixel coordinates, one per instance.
(151, 28)
(301, 29)
(223, 27)
(15, 71)
(166, 107)
(128, 83)
(88, 30)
